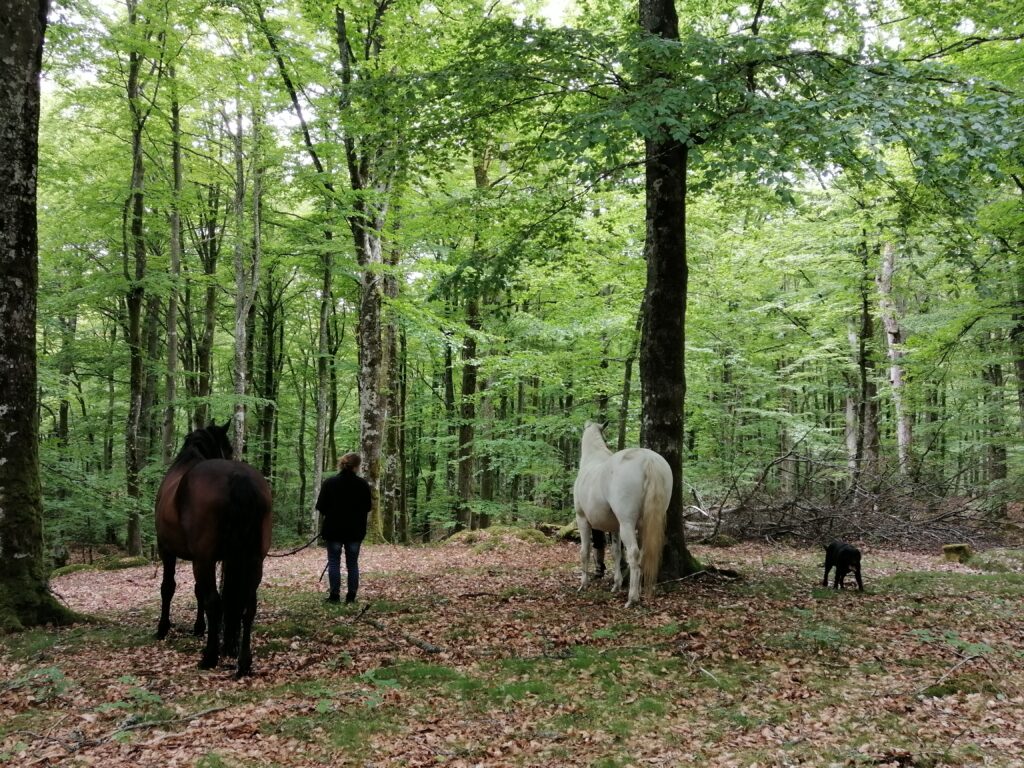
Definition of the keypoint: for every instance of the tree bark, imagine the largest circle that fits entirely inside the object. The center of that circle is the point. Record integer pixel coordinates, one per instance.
(393, 477)
(867, 403)
(894, 349)
(24, 597)
(246, 276)
(171, 381)
(662, 361)
(135, 273)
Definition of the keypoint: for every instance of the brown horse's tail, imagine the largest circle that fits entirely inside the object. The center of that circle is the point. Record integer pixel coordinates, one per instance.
(652, 522)
(241, 534)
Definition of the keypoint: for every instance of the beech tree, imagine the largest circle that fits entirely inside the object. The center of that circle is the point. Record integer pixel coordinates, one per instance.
(24, 596)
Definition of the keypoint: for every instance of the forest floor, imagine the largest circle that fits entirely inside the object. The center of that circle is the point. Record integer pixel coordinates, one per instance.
(481, 652)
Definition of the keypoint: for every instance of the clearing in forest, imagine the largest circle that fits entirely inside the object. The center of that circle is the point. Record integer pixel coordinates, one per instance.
(481, 652)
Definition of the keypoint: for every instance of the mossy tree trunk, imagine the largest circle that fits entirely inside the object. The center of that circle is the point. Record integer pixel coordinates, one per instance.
(24, 597)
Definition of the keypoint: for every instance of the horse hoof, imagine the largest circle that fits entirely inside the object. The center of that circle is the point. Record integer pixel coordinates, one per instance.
(207, 663)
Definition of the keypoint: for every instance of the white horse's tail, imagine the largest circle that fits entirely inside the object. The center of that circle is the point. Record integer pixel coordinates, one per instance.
(652, 521)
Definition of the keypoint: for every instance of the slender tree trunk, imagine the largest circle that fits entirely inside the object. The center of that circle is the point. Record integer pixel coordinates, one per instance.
(65, 367)
(108, 428)
(135, 273)
(322, 384)
(171, 380)
(894, 348)
(393, 479)
(867, 405)
(467, 416)
(246, 275)
(627, 377)
(1017, 344)
(995, 451)
(24, 598)
(851, 422)
(450, 475)
(662, 362)
(208, 237)
(271, 312)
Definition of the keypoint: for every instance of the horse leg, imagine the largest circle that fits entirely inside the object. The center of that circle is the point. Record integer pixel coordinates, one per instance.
(617, 563)
(199, 628)
(206, 585)
(167, 587)
(248, 614)
(231, 609)
(628, 534)
(585, 536)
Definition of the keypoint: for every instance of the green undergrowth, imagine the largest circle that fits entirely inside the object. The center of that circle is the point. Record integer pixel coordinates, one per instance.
(940, 583)
(102, 564)
(998, 560)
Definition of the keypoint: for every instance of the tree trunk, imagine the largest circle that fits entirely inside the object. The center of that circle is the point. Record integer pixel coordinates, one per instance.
(662, 361)
(894, 348)
(170, 385)
(135, 273)
(867, 404)
(246, 277)
(272, 316)
(450, 476)
(393, 477)
(322, 384)
(24, 598)
(467, 416)
(627, 377)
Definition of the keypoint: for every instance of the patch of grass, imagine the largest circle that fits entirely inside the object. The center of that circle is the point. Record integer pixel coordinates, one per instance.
(37, 644)
(43, 683)
(998, 560)
(484, 539)
(141, 704)
(519, 690)
(931, 583)
(343, 631)
(414, 674)
(965, 683)
(510, 592)
(211, 760)
(120, 563)
(72, 568)
(348, 729)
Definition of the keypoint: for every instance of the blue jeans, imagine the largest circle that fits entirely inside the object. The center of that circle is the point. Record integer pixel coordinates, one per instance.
(334, 549)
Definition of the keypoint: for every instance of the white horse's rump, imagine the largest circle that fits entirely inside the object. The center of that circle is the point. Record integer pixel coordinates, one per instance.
(626, 493)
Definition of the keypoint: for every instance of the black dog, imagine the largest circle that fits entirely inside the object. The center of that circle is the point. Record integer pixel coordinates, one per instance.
(844, 558)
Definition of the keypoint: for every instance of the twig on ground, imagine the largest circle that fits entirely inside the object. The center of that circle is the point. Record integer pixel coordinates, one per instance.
(423, 645)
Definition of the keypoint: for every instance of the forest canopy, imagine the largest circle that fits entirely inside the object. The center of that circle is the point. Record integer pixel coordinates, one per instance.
(417, 230)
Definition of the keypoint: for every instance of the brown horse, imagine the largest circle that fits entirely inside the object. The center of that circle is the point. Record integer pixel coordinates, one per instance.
(211, 509)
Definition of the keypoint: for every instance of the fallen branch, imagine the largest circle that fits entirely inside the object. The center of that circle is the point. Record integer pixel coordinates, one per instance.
(77, 745)
(948, 672)
(707, 570)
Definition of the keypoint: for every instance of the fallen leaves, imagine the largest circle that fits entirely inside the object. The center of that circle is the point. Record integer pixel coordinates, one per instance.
(477, 655)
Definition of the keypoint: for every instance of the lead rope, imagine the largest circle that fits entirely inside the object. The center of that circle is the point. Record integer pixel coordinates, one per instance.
(296, 550)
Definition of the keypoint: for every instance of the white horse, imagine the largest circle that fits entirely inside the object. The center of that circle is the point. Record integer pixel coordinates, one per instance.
(626, 493)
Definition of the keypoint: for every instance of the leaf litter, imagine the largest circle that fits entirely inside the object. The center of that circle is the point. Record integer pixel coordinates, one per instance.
(481, 652)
